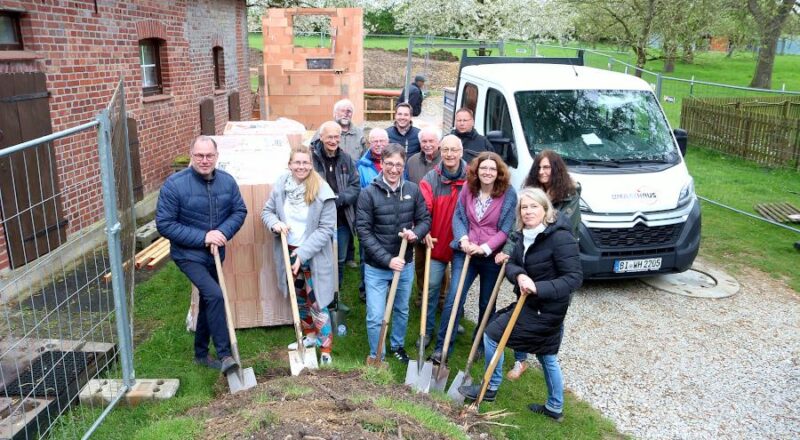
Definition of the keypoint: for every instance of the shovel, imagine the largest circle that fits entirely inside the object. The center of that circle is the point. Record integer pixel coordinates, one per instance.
(239, 379)
(464, 377)
(419, 373)
(500, 347)
(339, 313)
(442, 372)
(387, 314)
(302, 357)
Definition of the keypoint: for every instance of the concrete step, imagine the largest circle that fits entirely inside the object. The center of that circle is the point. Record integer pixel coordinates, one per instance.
(146, 235)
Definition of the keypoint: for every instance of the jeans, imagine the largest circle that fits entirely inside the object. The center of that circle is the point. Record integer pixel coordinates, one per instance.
(550, 368)
(377, 281)
(435, 279)
(343, 237)
(488, 271)
(211, 309)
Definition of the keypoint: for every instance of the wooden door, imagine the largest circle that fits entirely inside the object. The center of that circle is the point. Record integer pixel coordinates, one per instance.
(234, 110)
(30, 200)
(207, 122)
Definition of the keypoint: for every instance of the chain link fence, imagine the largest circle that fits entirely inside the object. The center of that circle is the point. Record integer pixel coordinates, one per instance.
(69, 224)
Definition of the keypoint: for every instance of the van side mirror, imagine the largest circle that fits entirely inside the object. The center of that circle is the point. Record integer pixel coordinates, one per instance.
(504, 147)
(683, 139)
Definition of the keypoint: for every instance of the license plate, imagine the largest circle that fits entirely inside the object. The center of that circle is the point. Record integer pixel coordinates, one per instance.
(643, 265)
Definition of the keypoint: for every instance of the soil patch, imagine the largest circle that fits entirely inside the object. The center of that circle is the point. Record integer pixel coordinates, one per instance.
(324, 404)
(387, 69)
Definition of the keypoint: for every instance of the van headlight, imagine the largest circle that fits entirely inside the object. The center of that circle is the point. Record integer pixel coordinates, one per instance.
(687, 193)
(583, 206)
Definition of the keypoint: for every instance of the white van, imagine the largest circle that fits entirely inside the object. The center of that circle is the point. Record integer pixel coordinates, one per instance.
(639, 212)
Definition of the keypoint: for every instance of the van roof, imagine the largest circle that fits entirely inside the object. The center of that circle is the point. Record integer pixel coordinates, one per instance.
(516, 77)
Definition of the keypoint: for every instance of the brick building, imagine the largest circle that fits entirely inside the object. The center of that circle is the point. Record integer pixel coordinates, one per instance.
(60, 62)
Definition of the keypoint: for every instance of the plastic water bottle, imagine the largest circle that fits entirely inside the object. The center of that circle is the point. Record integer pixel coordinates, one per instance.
(341, 330)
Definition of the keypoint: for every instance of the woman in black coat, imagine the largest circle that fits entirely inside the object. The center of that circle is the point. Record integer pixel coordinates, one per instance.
(546, 265)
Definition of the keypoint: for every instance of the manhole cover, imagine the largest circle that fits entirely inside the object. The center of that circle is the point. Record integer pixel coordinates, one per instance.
(701, 281)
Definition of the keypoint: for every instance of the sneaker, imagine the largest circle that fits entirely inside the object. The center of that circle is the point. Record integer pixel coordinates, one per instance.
(308, 342)
(460, 329)
(516, 372)
(436, 358)
(325, 359)
(228, 364)
(471, 392)
(400, 354)
(208, 362)
(541, 409)
(351, 264)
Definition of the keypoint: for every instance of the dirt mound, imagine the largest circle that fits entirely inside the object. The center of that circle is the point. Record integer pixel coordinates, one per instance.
(387, 69)
(328, 404)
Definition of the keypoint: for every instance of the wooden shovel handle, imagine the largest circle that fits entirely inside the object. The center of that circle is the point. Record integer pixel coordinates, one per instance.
(425, 283)
(485, 320)
(500, 347)
(287, 262)
(454, 310)
(387, 314)
(228, 317)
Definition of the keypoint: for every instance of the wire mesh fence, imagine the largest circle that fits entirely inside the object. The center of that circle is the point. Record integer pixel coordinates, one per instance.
(68, 224)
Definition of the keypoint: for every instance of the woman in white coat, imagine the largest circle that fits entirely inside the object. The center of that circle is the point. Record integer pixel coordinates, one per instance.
(302, 205)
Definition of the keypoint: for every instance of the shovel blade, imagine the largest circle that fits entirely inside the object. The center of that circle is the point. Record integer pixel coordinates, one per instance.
(412, 373)
(439, 378)
(423, 384)
(298, 362)
(241, 379)
(452, 392)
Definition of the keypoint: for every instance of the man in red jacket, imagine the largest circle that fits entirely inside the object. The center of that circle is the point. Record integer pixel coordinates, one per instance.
(440, 189)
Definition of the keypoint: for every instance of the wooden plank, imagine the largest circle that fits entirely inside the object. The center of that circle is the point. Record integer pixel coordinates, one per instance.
(136, 166)
(158, 259)
(146, 254)
(207, 125)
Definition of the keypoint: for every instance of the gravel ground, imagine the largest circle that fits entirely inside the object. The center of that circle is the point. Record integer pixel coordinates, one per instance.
(668, 366)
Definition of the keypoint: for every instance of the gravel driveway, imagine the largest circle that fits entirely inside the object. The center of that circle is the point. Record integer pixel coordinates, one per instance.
(667, 366)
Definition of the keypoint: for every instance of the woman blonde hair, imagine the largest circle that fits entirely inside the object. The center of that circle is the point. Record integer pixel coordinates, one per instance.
(312, 182)
(538, 196)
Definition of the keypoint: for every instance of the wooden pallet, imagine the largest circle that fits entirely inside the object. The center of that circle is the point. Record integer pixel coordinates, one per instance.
(780, 212)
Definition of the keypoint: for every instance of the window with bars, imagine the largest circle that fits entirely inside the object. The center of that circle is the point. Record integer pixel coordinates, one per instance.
(150, 62)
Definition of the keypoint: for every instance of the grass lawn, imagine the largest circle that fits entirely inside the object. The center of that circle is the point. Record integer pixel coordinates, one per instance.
(736, 241)
(167, 353)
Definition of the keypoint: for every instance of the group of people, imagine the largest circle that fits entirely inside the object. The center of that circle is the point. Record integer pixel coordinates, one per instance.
(449, 193)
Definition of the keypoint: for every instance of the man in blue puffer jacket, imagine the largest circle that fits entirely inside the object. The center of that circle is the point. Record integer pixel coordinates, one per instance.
(199, 210)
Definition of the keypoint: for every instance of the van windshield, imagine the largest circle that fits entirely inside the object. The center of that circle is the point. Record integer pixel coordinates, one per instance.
(594, 126)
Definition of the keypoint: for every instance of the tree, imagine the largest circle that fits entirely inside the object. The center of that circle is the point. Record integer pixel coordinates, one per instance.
(631, 22)
(770, 17)
(680, 23)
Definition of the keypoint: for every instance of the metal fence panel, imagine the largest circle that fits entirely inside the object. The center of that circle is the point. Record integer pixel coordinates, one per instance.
(65, 316)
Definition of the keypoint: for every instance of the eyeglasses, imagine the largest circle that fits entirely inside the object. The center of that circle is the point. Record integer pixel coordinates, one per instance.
(397, 166)
(486, 168)
(451, 150)
(199, 157)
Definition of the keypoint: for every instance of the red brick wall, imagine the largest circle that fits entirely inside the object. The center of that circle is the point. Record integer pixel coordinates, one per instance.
(84, 53)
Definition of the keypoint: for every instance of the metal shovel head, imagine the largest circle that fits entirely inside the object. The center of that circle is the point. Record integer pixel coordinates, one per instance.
(298, 362)
(241, 379)
(412, 371)
(439, 378)
(461, 379)
(423, 384)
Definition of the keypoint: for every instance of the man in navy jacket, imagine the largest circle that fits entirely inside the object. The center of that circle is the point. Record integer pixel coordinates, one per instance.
(199, 210)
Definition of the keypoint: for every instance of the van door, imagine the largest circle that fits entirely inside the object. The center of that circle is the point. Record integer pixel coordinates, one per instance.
(497, 117)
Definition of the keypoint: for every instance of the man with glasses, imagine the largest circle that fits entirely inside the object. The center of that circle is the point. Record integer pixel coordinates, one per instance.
(352, 137)
(389, 206)
(199, 211)
(339, 170)
(440, 189)
(473, 143)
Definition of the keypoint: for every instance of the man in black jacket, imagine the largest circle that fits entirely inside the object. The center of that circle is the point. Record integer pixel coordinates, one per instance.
(474, 143)
(415, 95)
(388, 208)
(402, 132)
(339, 170)
(199, 210)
